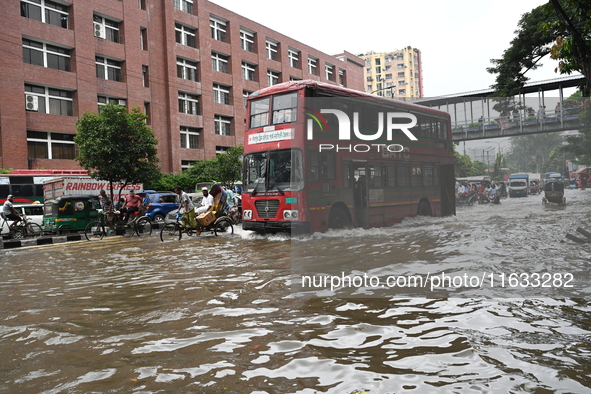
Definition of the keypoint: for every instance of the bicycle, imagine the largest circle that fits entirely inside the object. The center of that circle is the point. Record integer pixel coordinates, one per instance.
(23, 229)
(174, 231)
(141, 225)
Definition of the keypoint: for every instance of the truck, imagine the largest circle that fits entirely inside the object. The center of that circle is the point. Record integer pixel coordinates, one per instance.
(518, 185)
(79, 185)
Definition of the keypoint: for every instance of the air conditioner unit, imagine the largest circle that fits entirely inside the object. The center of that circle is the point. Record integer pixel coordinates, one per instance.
(32, 102)
(99, 30)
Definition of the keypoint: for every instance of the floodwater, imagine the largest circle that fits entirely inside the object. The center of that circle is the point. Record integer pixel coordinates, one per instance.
(218, 315)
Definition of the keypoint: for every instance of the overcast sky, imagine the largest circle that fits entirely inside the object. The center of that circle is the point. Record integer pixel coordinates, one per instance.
(457, 38)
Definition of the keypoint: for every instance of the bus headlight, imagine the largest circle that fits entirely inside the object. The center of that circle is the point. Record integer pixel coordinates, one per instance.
(247, 214)
(290, 215)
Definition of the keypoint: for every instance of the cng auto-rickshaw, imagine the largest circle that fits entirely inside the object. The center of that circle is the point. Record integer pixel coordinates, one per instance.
(70, 213)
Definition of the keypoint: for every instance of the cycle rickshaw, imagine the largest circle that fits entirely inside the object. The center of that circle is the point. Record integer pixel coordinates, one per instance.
(215, 221)
(554, 192)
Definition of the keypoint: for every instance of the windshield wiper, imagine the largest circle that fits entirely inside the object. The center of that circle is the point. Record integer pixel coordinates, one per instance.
(256, 186)
(280, 190)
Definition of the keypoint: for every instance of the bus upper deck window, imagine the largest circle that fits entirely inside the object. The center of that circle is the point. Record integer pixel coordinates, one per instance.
(284, 108)
(259, 113)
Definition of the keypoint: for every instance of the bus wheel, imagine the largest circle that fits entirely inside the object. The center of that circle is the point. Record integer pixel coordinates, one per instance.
(338, 219)
(424, 208)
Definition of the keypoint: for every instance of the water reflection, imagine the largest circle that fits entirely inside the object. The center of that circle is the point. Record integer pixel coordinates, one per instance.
(218, 315)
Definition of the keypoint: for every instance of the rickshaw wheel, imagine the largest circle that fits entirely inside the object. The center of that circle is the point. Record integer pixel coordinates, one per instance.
(170, 232)
(94, 231)
(223, 227)
(143, 227)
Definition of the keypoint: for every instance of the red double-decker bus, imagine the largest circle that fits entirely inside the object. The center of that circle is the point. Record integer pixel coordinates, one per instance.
(318, 156)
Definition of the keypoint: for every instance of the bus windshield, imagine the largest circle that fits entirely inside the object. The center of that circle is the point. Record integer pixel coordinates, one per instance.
(274, 171)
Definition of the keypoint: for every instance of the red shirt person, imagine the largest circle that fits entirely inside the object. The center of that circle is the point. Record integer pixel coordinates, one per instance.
(132, 204)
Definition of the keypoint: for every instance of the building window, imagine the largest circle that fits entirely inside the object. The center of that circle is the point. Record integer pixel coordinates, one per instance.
(148, 112)
(186, 164)
(188, 103)
(108, 69)
(401, 83)
(46, 11)
(312, 65)
(217, 28)
(46, 55)
(378, 70)
(142, 4)
(292, 78)
(272, 50)
(221, 94)
(145, 76)
(342, 79)
(272, 77)
(44, 145)
(189, 137)
(50, 100)
(294, 58)
(402, 92)
(106, 28)
(368, 70)
(248, 71)
(184, 5)
(219, 62)
(245, 94)
(329, 69)
(102, 100)
(400, 66)
(222, 125)
(400, 75)
(400, 56)
(186, 69)
(247, 40)
(388, 76)
(185, 35)
(221, 149)
(144, 38)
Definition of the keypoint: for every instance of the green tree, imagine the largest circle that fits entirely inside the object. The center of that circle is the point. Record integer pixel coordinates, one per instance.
(530, 45)
(117, 146)
(530, 153)
(498, 173)
(572, 47)
(229, 165)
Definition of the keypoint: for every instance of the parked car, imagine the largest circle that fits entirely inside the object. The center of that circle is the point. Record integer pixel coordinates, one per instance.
(195, 197)
(34, 213)
(159, 204)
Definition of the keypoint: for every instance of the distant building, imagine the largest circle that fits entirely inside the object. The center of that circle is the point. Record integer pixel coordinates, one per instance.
(188, 64)
(397, 74)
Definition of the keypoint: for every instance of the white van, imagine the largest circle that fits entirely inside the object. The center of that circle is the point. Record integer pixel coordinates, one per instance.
(34, 212)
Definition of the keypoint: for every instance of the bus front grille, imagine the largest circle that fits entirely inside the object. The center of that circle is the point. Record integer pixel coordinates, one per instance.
(267, 209)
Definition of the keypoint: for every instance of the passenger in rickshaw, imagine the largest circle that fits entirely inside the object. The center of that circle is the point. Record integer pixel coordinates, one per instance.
(206, 202)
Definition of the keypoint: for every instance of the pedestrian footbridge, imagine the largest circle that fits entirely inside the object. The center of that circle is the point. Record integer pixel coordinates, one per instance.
(540, 107)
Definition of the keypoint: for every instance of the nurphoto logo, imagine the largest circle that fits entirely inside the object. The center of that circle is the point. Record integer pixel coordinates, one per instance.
(388, 121)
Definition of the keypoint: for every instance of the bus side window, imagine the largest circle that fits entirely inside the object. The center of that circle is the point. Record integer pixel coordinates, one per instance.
(312, 166)
(328, 166)
(390, 176)
(348, 180)
(403, 178)
(416, 176)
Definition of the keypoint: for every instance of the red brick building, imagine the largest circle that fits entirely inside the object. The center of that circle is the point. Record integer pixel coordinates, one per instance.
(187, 63)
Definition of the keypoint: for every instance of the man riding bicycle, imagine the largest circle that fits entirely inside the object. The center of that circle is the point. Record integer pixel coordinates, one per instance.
(10, 212)
(188, 219)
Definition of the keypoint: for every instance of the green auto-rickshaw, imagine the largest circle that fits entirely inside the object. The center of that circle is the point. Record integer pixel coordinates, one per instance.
(70, 213)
